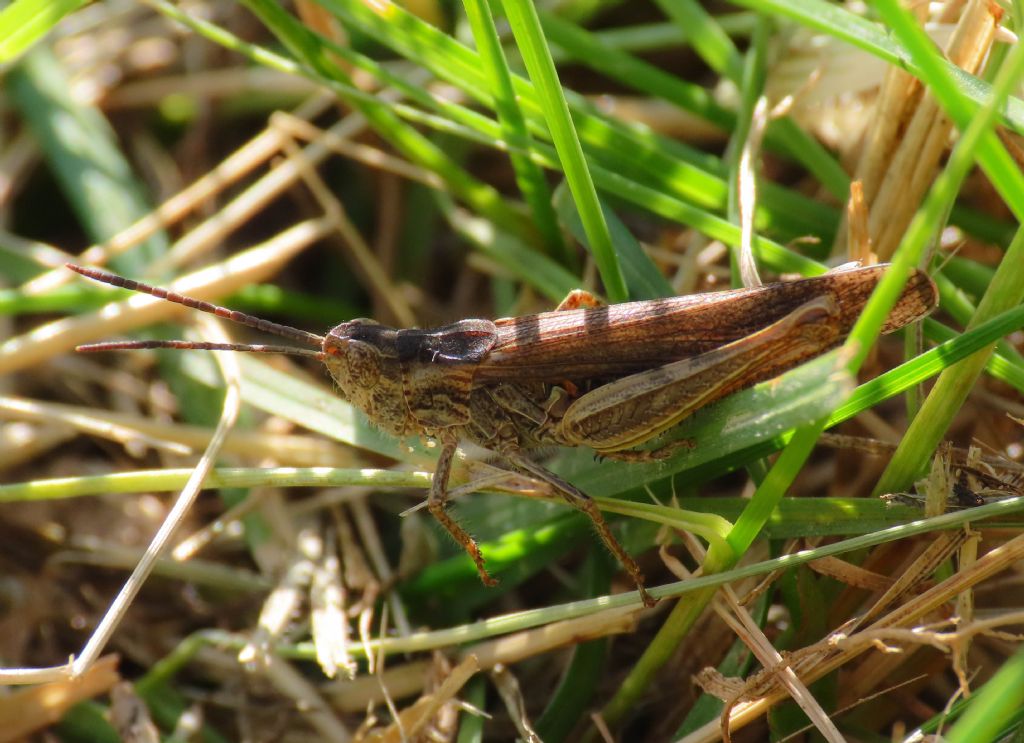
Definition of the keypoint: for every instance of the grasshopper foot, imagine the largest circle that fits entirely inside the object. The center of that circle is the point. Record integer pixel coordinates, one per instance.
(486, 578)
(473, 550)
(481, 569)
(467, 542)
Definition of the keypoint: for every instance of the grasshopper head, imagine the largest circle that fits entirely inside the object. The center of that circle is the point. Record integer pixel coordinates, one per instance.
(409, 381)
(362, 357)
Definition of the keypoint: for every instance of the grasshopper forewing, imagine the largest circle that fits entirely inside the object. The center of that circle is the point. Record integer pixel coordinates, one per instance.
(606, 377)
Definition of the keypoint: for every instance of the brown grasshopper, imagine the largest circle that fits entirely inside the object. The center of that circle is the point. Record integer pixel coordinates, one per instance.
(607, 377)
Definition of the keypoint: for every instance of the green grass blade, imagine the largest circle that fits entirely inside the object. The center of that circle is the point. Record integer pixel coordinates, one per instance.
(1006, 288)
(949, 393)
(707, 37)
(522, 16)
(309, 49)
(517, 258)
(529, 176)
(659, 162)
(77, 141)
(991, 710)
(24, 23)
(994, 159)
(642, 277)
(875, 39)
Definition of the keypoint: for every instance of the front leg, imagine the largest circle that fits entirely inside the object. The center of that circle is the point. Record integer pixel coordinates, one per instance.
(583, 502)
(437, 504)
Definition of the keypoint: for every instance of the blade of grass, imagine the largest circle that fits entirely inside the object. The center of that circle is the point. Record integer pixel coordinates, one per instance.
(579, 683)
(23, 23)
(710, 42)
(647, 37)
(1007, 287)
(522, 17)
(642, 277)
(81, 148)
(994, 707)
(521, 261)
(751, 88)
(306, 47)
(167, 480)
(529, 176)
(632, 150)
(875, 39)
(591, 49)
(518, 621)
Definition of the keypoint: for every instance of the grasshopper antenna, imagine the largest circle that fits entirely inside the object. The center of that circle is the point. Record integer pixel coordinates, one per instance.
(241, 318)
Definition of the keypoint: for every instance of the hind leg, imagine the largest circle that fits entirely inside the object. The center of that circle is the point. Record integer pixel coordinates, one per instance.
(583, 502)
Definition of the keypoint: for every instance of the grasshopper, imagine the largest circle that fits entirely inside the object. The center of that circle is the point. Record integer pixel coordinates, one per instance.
(610, 378)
